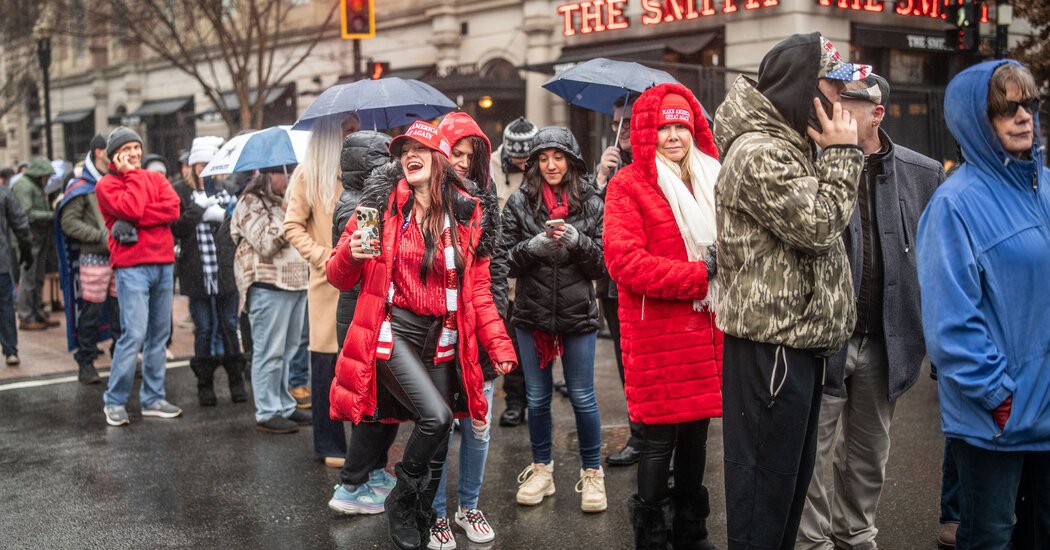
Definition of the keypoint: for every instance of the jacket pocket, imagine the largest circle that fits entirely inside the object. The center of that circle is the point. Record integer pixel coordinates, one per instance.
(904, 225)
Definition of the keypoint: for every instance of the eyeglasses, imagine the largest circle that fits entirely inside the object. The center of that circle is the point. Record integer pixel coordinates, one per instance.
(1031, 105)
(616, 125)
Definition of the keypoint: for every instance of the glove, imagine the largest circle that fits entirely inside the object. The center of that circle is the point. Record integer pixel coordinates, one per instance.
(201, 199)
(1002, 413)
(124, 233)
(213, 214)
(570, 238)
(542, 246)
(25, 253)
(710, 261)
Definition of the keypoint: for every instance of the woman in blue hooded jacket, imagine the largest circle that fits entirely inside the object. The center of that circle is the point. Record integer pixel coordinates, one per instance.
(984, 265)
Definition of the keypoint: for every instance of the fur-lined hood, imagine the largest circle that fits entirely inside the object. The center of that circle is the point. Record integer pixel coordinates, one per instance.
(382, 182)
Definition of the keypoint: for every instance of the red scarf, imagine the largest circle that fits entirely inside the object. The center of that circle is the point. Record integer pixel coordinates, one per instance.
(557, 205)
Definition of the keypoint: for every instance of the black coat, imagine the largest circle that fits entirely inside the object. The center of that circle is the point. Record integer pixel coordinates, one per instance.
(555, 294)
(188, 263)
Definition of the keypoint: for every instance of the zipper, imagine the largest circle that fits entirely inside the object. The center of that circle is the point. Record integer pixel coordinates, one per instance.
(643, 307)
(904, 224)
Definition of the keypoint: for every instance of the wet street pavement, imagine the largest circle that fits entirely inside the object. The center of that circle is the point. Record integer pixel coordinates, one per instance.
(209, 480)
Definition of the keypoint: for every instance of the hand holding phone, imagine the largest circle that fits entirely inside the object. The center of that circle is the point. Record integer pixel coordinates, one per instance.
(368, 233)
(554, 228)
(838, 129)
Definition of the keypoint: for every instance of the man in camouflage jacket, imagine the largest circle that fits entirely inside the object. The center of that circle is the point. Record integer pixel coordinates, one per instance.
(785, 194)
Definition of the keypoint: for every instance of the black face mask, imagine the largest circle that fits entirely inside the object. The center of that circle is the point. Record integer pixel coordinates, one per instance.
(814, 122)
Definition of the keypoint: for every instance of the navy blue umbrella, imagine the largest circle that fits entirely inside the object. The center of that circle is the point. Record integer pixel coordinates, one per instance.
(381, 104)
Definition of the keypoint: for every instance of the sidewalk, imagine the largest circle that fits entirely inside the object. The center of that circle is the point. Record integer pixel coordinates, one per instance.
(44, 352)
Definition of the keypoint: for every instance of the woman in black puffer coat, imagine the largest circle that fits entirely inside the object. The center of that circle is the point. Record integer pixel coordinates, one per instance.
(556, 312)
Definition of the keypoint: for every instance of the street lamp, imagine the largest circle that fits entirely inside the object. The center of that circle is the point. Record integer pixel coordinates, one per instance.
(42, 32)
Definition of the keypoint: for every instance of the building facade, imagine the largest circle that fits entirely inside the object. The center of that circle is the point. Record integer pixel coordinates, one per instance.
(492, 56)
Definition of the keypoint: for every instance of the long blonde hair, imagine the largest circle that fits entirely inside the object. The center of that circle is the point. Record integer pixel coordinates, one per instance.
(319, 171)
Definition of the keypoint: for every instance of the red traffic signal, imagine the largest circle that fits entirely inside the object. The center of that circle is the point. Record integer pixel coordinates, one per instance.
(377, 69)
(358, 18)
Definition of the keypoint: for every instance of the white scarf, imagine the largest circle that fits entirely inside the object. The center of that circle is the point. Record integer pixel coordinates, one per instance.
(693, 212)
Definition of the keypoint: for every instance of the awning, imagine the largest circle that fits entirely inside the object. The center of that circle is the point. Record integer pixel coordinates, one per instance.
(162, 107)
(233, 104)
(72, 117)
(641, 51)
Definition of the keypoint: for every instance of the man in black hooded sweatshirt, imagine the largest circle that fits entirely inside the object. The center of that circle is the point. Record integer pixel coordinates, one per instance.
(786, 191)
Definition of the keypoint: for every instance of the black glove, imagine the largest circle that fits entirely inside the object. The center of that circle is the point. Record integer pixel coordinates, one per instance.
(710, 261)
(124, 233)
(25, 253)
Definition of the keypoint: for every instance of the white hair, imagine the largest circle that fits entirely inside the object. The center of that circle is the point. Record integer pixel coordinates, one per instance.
(319, 171)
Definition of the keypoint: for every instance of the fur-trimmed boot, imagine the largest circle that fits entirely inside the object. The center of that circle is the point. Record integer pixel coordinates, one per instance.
(651, 523)
(403, 509)
(235, 365)
(204, 368)
(691, 508)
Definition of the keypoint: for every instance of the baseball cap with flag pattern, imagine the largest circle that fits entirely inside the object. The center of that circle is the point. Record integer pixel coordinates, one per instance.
(833, 67)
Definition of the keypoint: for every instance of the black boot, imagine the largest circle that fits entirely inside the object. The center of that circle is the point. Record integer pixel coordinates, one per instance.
(204, 368)
(691, 509)
(88, 374)
(651, 523)
(402, 508)
(235, 372)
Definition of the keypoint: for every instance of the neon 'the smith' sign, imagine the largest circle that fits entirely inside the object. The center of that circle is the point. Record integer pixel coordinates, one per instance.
(592, 16)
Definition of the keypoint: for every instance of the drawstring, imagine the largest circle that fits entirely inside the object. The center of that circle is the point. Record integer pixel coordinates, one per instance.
(773, 392)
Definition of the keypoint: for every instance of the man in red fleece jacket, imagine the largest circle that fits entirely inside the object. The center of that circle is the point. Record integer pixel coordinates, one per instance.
(138, 207)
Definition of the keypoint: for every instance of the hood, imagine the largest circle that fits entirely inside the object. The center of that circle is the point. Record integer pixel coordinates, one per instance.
(456, 126)
(746, 110)
(966, 112)
(39, 169)
(787, 76)
(644, 120)
(362, 153)
(90, 173)
(560, 138)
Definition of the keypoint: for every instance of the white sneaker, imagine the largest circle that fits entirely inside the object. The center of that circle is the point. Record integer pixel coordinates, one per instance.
(475, 525)
(591, 487)
(441, 537)
(162, 409)
(535, 482)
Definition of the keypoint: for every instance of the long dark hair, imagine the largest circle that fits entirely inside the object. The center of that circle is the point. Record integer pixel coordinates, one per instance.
(478, 172)
(443, 183)
(533, 183)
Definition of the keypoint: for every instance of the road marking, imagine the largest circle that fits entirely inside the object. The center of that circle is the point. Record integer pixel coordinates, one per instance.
(72, 378)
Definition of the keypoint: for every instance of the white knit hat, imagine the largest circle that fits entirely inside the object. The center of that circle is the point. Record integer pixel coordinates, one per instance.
(204, 149)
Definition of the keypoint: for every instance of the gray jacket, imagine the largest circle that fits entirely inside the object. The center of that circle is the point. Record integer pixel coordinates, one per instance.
(907, 182)
(12, 220)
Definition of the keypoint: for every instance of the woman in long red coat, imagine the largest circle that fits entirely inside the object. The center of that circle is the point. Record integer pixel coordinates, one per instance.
(425, 305)
(659, 248)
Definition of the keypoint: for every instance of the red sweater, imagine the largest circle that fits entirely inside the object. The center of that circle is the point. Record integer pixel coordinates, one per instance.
(411, 293)
(146, 200)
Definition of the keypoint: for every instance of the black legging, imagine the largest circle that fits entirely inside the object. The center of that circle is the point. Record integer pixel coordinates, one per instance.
(687, 442)
(412, 378)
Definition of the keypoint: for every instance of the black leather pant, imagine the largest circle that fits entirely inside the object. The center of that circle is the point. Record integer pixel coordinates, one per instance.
(422, 387)
(687, 442)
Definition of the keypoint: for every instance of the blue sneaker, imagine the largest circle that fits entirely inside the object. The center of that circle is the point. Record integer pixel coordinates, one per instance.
(360, 500)
(381, 482)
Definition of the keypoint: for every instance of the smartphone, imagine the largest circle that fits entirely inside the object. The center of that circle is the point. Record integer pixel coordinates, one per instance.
(814, 122)
(368, 218)
(550, 226)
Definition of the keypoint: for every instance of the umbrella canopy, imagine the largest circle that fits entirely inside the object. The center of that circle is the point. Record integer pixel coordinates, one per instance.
(381, 104)
(267, 148)
(596, 84)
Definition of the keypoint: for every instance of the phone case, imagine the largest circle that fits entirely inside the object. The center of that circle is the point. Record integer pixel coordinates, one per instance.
(368, 218)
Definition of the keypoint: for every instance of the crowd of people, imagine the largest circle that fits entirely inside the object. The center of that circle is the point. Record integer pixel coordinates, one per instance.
(785, 266)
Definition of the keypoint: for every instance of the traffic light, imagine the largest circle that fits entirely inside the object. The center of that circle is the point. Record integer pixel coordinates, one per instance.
(962, 14)
(377, 69)
(358, 18)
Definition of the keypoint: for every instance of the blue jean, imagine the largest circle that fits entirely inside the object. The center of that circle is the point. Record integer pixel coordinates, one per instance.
(949, 486)
(215, 325)
(988, 487)
(277, 321)
(299, 371)
(473, 452)
(329, 435)
(8, 331)
(144, 293)
(578, 363)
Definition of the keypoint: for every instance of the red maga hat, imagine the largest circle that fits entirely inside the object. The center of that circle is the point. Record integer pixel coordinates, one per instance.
(424, 133)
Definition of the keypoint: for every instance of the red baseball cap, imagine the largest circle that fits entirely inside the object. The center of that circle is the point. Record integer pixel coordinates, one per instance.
(424, 133)
(675, 109)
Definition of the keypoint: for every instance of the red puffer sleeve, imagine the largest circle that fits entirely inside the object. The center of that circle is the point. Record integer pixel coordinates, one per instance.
(342, 269)
(631, 266)
(491, 332)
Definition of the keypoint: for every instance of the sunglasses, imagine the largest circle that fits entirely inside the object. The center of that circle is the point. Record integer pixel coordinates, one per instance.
(1030, 105)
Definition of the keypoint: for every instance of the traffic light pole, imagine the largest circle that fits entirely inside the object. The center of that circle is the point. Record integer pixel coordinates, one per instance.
(357, 59)
(1003, 18)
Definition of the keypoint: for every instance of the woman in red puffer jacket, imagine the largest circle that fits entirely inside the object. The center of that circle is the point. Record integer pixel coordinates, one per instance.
(425, 306)
(659, 248)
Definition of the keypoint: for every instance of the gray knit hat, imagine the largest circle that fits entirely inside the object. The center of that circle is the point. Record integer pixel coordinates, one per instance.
(118, 137)
(517, 138)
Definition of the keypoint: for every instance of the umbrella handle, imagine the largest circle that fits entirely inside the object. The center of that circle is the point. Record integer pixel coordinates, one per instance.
(619, 127)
